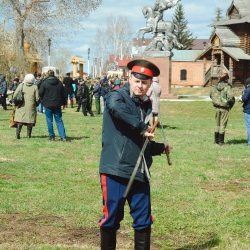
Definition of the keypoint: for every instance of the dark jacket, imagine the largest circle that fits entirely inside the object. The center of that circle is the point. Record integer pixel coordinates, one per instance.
(52, 92)
(77, 83)
(14, 86)
(106, 88)
(3, 85)
(122, 134)
(68, 85)
(83, 93)
(246, 100)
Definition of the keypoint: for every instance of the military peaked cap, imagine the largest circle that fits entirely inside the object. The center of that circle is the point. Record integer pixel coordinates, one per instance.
(143, 69)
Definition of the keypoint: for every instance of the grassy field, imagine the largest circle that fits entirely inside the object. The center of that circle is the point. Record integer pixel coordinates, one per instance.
(50, 195)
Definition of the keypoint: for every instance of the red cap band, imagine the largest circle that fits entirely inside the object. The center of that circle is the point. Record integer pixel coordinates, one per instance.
(142, 70)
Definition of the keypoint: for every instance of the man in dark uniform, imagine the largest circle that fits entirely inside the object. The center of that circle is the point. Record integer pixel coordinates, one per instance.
(125, 128)
(68, 85)
(83, 98)
(77, 82)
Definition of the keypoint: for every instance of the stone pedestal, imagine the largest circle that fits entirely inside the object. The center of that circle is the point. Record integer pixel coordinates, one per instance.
(165, 66)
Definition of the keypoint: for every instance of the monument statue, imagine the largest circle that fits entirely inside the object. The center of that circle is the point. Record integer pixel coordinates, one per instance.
(159, 27)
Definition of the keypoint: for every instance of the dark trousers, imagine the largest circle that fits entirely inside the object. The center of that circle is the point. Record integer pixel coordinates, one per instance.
(86, 108)
(3, 102)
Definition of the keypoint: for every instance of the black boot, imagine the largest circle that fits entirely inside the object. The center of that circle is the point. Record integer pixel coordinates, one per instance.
(108, 239)
(71, 103)
(29, 130)
(18, 131)
(142, 239)
(216, 137)
(221, 139)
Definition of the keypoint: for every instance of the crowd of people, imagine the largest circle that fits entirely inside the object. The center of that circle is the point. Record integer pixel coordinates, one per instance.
(49, 94)
(84, 90)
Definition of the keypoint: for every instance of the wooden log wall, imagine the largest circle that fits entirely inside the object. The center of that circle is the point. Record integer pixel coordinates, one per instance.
(242, 31)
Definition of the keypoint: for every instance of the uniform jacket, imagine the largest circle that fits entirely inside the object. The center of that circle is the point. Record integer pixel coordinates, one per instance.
(52, 92)
(77, 83)
(68, 84)
(246, 100)
(83, 92)
(222, 96)
(3, 85)
(27, 112)
(122, 134)
(154, 94)
(91, 88)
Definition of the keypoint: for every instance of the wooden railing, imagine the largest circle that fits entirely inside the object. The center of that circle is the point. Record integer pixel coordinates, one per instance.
(207, 77)
(214, 72)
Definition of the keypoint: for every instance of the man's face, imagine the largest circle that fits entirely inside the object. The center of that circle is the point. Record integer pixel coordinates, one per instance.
(138, 86)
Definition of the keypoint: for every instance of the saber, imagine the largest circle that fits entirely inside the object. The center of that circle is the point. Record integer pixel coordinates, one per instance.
(162, 129)
(165, 141)
(131, 180)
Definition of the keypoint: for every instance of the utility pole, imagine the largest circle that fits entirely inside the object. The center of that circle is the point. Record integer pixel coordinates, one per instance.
(49, 44)
(88, 60)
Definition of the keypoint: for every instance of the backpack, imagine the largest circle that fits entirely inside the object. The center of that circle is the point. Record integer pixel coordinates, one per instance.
(105, 90)
(222, 97)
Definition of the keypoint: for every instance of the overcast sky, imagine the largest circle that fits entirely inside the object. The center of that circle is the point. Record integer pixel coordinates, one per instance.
(198, 13)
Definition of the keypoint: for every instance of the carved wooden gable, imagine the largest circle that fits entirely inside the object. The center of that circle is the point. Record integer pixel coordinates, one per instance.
(233, 13)
(215, 41)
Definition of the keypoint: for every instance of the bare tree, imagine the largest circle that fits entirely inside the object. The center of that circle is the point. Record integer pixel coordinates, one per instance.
(35, 21)
(119, 33)
(60, 59)
(5, 53)
(115, 39)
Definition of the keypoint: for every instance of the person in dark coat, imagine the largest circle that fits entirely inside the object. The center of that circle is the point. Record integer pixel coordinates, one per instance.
(125, 128)
(68, 85)
(53, 95)
(77, 81)
(14, 84)
(97, 95)
(3, 91)
(83, 98)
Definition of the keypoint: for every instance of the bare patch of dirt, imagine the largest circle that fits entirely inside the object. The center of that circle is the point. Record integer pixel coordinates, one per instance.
(6, 177)
(231, 185)
(18, 231)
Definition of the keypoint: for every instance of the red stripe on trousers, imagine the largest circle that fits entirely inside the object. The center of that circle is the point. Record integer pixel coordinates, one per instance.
(104, 193)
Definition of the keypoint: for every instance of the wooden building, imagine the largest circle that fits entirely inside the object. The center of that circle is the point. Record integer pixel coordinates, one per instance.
(230, 46)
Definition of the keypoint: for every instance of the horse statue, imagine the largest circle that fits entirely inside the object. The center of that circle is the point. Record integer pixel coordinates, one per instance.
(165, 27)
(159, 8)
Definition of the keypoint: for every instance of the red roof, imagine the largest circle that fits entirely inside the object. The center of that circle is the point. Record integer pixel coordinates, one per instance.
(121, 62)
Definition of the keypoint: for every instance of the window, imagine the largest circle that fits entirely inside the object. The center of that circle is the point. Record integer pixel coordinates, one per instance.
(183, 75)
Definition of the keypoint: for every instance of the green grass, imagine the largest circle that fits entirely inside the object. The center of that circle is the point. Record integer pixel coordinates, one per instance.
(50, 195)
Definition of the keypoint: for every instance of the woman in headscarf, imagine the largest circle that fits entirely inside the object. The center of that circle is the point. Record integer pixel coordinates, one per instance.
(26, 113)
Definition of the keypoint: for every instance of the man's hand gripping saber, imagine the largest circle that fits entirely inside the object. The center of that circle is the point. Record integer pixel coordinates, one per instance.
(131, 180)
